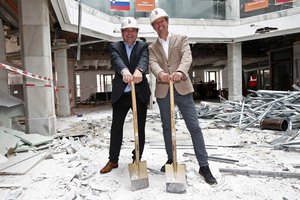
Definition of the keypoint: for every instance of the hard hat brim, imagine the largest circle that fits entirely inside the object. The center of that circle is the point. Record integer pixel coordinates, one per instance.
(130, 27)
(166, 17)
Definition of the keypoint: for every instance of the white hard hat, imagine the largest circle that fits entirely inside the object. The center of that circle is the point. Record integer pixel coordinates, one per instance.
(129, 22)
(157, 13)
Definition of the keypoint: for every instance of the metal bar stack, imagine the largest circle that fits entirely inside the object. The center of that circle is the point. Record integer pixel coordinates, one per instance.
(252, 110)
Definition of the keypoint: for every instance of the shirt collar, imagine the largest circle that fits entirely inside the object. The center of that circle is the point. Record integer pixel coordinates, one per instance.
(127, 45)
(168, 38)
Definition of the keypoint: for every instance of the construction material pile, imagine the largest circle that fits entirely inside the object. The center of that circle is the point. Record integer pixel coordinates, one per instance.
(279, 110)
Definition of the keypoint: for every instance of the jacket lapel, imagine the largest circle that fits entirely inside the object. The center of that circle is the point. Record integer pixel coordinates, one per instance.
(171, 44)
(161, 50)
(133, 52)
(122, 50)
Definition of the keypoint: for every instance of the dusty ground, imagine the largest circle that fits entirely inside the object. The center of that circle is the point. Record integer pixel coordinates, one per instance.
(72, 170)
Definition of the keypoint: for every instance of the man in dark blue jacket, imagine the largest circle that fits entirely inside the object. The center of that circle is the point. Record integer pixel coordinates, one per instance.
(130, 60)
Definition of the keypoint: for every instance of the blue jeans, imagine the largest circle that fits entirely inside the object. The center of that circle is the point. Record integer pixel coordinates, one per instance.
(187, 108)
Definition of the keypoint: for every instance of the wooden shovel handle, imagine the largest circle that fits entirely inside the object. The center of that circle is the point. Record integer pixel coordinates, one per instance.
(135, 123)
(173, 130)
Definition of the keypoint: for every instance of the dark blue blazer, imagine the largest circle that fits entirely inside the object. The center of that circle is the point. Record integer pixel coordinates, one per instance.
(139, 58)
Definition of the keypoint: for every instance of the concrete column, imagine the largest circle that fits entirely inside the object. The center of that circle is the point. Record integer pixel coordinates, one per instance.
(232, 9)
(3, 72)
(36, 58)
(234, 54)
(61, 67)
(72, 84)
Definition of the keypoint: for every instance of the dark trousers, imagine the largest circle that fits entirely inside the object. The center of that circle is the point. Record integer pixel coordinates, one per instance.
(120, 110)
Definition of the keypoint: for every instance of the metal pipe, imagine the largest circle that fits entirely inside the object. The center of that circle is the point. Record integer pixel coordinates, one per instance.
(275, 124)
(79, 30)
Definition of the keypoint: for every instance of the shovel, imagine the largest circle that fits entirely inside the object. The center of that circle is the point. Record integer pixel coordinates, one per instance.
(175, 173)
(138, 169)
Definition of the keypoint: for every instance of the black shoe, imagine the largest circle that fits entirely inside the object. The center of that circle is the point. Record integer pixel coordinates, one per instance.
(205, 172)
(163, 168)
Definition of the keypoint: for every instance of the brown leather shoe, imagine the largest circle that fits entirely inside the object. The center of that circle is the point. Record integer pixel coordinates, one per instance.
(108, 167)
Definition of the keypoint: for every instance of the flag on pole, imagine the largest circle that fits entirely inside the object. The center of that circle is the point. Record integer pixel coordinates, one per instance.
(119, 5)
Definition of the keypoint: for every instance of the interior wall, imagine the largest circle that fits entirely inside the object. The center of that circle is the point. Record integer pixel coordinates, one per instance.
(199, 75)
(296, 77)
(88, 84)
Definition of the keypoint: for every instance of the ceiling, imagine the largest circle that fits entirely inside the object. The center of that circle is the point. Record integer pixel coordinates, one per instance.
(207, 54)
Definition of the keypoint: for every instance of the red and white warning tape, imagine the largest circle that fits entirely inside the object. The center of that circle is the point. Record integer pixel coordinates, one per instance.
(25, 73)
(31, 75)
(37, 85)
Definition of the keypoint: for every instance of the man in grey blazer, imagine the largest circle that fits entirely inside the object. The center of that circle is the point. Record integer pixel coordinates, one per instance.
(130, 59)
(170, 58)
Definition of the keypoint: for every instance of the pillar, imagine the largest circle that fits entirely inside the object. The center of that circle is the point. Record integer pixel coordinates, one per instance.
(61, 68)
(3, 72)
(72, 85)
(232, 9)
(234, 54)
(36, 58)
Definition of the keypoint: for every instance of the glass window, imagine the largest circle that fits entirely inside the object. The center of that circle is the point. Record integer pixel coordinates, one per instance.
(251, 8)
(211, 76)
(108, 82)
(197, 9)
(78, 85)
(104, 82)
(265, 79)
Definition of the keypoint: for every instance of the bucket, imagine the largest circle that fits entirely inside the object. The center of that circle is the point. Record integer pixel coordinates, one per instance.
(276, 124)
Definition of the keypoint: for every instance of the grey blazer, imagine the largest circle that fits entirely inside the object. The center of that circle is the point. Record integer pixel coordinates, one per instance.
(180, 59)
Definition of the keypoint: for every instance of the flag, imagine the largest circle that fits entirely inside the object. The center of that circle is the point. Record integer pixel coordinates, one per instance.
(119, 5)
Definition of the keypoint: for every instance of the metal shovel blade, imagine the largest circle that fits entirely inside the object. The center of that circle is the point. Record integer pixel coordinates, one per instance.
(138, 175)
(176, 178)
